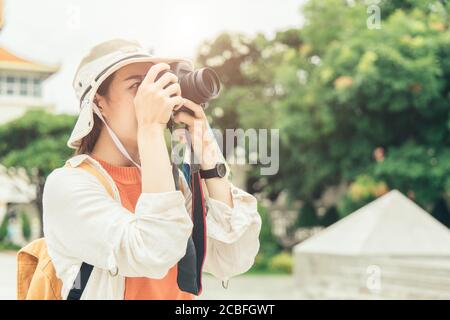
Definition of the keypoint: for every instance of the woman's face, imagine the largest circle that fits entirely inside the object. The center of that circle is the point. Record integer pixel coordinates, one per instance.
(117, 105)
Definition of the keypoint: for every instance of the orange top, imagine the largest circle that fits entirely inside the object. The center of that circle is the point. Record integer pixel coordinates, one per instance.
(128, 181)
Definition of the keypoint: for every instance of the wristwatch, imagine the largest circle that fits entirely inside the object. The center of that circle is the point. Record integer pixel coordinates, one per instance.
(219, 171)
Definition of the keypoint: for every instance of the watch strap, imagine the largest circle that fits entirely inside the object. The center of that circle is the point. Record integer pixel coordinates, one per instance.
(210, 173)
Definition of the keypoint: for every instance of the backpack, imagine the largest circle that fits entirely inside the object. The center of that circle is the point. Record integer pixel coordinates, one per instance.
(36, 275)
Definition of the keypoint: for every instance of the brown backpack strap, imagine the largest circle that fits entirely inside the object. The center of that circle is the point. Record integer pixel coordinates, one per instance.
(86, 269)
(89, 168)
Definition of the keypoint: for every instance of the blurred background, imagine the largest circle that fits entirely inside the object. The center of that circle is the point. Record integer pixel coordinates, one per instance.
(360, 93)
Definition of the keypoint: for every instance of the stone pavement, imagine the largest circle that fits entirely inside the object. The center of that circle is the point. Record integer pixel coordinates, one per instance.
(241, 287)
(264, 287)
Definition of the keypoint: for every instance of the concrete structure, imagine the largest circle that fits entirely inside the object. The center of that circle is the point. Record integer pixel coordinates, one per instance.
(389, 249)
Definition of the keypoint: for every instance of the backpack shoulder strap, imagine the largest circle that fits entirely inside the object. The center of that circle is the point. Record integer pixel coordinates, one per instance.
(86, 269)
(89, 168)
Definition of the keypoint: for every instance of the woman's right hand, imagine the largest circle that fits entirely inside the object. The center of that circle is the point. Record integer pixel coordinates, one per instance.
(153, 103)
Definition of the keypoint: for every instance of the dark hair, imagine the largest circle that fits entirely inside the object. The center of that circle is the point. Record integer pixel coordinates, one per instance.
(88, 142)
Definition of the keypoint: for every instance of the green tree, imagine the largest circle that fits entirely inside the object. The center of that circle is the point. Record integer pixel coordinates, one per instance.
(4, 228)
(352, 90)
(307, 216)
(26, 226)
(233, 55)
(37, 142)
(247, 67)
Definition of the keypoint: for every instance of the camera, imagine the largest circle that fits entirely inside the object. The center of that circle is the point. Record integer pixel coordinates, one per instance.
(199, 86)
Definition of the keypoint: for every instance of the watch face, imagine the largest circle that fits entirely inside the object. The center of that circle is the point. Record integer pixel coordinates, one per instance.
(221, 169)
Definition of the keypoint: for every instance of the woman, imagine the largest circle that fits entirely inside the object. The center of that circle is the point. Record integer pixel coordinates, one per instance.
(135, 240)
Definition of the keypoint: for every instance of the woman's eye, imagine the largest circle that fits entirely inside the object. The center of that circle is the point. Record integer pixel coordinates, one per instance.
(135, 85)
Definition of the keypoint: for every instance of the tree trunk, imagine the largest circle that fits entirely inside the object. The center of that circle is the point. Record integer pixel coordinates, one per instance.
(38, 202)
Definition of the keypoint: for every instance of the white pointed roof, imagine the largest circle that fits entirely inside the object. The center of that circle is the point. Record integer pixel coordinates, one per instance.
(390, 225)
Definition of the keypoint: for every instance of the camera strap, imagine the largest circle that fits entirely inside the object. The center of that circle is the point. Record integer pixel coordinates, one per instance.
(189, 277)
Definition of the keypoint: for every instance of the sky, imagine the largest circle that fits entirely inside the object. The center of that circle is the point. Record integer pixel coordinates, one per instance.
(62, 31)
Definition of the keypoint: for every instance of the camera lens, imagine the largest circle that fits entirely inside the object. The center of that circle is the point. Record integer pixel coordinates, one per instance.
(199, 86)
(209, 83)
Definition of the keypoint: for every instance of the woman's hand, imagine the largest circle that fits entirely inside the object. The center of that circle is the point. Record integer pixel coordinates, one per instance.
(203, 141)
(206, 149)
(153, 102)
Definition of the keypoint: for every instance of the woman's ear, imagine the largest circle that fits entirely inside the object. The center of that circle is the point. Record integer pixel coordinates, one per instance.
(100, 102)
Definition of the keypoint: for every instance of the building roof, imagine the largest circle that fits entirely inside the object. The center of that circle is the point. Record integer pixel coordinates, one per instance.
(10, 61)
(392, 225)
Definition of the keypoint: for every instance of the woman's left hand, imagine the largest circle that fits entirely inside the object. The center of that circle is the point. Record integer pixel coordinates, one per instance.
(203, 141)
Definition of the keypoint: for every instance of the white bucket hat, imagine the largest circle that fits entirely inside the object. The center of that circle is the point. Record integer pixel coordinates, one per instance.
(103, 60)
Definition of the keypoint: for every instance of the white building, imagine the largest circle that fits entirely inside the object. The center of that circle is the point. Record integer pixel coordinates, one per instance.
(21, 85)
(388, 249)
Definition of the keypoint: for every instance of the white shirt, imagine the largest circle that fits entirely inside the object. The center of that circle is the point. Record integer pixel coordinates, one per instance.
(82, 223)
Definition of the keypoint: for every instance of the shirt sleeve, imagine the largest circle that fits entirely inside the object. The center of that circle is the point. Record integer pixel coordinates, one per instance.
(233, 233)
(82, 221)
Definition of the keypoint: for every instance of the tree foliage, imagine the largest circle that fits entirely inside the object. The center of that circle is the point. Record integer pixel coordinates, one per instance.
(365, 89)
(37, 142)
(340, 92)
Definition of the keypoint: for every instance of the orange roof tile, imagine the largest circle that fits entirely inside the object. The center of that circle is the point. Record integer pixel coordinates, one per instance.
(10, 61)
(8, 56)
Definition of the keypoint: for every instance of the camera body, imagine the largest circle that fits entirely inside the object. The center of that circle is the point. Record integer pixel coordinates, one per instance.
(199, 86)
